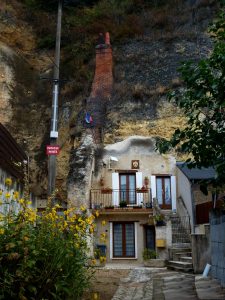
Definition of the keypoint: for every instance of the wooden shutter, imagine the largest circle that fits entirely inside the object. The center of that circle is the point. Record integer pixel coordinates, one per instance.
(115, 187)
(139, 184)
(174, 193)
(153, 186)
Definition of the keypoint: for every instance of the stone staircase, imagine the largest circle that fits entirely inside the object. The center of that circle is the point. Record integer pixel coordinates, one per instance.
(180, 255)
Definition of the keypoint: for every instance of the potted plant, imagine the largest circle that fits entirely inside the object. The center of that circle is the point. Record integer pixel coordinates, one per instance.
(148, 205)
(109, 207)
(99, 257)
(101, 181)
(123, 203)
(151, 259)
(141, 190)
(159, 220)
(146, 181)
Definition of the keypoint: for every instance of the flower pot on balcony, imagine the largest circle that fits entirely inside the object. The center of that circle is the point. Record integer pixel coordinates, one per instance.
(146, 181)
(141, 190)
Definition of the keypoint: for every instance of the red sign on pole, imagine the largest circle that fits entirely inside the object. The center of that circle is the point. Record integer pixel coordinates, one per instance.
(52, 150)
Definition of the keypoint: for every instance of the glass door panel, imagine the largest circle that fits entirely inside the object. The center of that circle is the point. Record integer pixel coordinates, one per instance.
(128, 188)
(159, 190)
(163, 191)
(123, 188)
(167, 191)
(117, 240)
(129, 233)
(132, 192)
(123, 240)
(150, 237)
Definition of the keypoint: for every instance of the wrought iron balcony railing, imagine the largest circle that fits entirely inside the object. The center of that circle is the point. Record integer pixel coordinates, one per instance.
(110, 198)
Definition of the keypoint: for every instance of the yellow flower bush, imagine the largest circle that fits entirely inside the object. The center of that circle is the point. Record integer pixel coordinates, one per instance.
(8, 182)
(102, 259)
(7, 195)
(103, 222)
(16, 195)
(43, 256)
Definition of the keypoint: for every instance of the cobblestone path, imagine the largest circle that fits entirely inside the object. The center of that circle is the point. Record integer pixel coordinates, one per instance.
(161, 284)
(137, 286)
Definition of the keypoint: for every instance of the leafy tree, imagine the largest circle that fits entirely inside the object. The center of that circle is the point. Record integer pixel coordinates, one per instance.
(203, 102)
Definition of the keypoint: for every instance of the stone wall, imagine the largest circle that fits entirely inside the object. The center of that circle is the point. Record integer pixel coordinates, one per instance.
(201, 250)
(217, 237)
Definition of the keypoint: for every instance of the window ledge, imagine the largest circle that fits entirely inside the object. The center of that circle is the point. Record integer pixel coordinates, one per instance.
(121, 258)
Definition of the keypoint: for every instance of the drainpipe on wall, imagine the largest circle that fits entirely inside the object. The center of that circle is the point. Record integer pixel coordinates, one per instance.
(193, 207)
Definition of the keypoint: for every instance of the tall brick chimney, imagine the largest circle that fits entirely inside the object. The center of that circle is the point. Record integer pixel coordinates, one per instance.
(101, 86)
(103, 79)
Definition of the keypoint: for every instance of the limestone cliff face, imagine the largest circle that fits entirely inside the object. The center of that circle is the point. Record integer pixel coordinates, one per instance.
(6, 81)
(144, 69)
(23, 110)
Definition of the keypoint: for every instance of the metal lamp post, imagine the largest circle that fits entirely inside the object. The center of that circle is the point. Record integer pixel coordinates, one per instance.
(54, 118)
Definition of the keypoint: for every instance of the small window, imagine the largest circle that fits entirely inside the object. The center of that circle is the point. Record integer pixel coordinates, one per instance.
(163, 191)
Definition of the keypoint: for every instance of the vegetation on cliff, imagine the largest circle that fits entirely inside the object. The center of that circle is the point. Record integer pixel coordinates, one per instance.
(202, 101)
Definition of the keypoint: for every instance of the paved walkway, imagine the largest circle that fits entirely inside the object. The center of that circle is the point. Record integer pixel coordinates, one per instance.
(161, 284)
(137, 286)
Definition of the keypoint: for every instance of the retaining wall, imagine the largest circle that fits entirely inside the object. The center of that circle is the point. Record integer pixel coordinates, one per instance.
(217, 236)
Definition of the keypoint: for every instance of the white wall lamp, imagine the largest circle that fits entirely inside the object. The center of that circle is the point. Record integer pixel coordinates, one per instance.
(112, 158)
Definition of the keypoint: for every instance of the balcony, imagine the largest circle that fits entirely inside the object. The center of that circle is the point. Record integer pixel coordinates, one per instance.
(121, 200)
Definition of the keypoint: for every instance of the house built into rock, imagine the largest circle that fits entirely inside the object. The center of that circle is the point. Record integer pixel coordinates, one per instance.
(124, 191)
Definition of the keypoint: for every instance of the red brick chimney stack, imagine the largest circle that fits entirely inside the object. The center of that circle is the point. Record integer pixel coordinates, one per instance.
(103, 79)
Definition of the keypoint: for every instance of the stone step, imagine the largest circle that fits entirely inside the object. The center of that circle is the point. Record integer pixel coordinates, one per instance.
(181, 245)
(186, 258)
(184, 253)
(180, 263)
(180, 266)
(180, 239)
(175, 253)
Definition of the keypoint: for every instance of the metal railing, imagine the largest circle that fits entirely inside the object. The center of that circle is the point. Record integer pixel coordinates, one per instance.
(110, 198)
(181, 229)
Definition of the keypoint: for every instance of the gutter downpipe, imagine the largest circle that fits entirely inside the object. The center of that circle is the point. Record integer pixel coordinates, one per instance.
(193, 208)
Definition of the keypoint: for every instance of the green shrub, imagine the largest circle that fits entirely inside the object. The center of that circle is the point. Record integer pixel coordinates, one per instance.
(123, 203)
(149, 254)
(47, 42)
